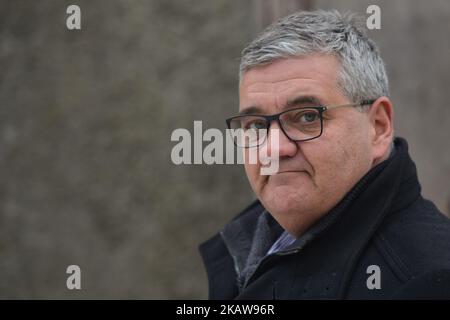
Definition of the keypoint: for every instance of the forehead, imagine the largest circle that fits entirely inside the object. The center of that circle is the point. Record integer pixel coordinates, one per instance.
(309, 75)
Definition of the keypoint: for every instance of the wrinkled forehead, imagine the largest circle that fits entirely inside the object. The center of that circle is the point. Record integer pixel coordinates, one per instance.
(284, 79)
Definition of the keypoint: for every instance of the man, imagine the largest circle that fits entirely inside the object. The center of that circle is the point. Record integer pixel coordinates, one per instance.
(343, 216)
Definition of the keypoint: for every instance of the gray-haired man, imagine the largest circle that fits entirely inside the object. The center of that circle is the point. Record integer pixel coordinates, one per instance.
(343, 217)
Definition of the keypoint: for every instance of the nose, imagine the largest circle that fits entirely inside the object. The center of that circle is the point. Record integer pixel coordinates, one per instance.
(277, 140)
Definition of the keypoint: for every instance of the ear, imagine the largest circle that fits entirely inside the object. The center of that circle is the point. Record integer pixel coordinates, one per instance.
(381, 115)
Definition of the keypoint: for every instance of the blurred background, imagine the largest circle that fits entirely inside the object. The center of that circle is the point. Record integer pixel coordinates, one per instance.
(86, 117)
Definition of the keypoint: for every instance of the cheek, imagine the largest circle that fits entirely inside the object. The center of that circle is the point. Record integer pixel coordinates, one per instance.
(340, 160)
(252, 171)
(326, 160)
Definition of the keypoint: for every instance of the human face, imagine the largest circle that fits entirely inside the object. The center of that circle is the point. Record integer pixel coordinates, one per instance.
(313, 175)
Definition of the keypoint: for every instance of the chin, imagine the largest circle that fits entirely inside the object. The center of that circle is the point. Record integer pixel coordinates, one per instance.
(284, 200)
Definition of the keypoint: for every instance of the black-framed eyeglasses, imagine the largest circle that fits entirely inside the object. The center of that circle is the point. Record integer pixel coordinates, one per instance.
(299, 124)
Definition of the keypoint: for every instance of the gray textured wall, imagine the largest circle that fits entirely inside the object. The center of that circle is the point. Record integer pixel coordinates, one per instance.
(85, 124)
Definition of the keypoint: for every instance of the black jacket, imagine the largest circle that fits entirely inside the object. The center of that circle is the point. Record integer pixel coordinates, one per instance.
(383, 221)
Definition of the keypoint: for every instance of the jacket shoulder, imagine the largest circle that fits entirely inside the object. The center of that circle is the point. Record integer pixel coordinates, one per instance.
(417, 238)
(430, 285)
(412, 250)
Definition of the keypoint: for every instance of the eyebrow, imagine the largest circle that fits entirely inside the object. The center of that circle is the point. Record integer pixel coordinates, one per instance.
(291, 103)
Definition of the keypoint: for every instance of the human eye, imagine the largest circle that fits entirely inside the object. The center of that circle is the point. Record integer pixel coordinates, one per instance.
(305, 117)
(254, 124)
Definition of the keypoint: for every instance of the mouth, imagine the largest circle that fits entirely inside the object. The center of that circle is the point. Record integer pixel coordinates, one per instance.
(292, 171)
(287, 178)
(289, 174)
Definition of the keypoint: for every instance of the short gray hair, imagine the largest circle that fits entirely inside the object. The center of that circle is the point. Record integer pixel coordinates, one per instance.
(362, 73)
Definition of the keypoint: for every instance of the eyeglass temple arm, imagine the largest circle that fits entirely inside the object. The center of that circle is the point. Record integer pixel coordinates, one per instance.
(367, 102)
(362, 103)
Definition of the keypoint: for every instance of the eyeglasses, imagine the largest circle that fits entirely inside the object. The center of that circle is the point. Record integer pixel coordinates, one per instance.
(299, 124)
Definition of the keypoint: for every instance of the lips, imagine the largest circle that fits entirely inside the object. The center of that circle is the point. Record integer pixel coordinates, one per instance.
(291, 171)
(287, 177)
